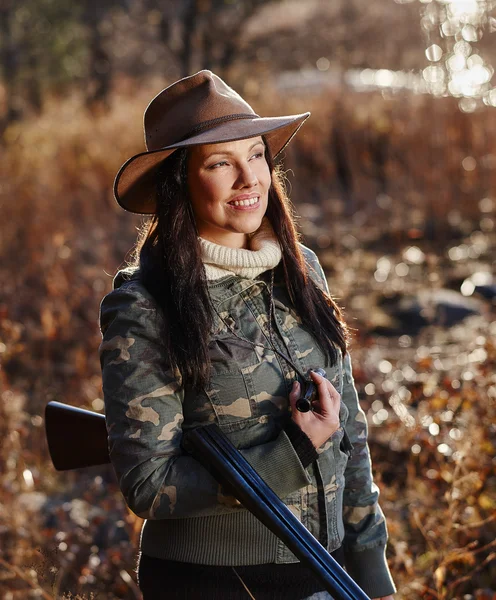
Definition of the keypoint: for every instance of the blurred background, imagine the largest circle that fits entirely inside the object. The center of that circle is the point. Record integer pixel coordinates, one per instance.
(393, 179)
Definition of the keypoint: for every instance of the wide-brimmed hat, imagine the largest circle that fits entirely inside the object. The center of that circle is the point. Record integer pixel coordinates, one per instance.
(200, 109)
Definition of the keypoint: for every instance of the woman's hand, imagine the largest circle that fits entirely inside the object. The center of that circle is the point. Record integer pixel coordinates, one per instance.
(321, 422)
(384, 598)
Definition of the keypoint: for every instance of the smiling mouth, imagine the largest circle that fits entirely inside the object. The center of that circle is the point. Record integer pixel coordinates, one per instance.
(245, 203)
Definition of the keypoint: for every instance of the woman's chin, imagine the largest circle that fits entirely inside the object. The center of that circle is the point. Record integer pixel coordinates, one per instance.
(249, 224)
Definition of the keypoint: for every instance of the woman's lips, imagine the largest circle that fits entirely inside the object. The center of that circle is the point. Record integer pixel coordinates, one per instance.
(248, 204)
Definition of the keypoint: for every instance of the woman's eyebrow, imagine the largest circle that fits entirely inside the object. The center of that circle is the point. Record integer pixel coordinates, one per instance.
(229, 153)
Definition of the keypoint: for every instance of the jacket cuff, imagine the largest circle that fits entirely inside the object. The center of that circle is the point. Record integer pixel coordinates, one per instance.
(370, 570)
(301, 443)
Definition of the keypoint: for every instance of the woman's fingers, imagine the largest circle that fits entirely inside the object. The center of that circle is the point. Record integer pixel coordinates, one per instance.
(328, 397)
(294, 395)
(298, 417)
(318, 424)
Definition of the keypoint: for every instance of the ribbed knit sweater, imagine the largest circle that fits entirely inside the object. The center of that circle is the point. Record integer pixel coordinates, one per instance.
(263, 254)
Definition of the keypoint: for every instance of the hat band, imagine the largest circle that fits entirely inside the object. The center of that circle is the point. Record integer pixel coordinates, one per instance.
(214, 122)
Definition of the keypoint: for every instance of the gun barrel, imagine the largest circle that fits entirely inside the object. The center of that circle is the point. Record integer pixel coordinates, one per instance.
(76, 437)
(210, 446)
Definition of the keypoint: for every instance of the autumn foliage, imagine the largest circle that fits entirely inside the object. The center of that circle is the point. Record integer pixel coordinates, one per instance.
(374, 178)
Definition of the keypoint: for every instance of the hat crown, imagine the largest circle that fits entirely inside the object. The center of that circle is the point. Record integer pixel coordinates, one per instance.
(195, 101)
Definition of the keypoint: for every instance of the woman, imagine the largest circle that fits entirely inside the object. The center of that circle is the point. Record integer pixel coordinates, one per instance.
(222, 319)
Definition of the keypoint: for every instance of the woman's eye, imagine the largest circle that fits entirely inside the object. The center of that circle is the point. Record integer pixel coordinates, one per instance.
(219, 164)
(258, 155)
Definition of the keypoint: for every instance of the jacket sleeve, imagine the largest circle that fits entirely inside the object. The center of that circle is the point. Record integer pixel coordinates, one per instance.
(364, 523)
(314, 267)
(365, 526)
(143, 410)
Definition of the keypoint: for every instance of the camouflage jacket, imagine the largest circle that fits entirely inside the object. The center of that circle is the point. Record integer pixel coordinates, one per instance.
(188, 516)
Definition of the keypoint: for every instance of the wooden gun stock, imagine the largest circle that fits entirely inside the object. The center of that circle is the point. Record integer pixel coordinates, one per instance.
(76, 437)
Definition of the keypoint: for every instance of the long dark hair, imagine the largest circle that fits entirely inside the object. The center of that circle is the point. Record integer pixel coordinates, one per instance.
(168, 253)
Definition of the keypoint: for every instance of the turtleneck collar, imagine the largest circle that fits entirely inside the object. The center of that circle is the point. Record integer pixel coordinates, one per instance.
(264, 254)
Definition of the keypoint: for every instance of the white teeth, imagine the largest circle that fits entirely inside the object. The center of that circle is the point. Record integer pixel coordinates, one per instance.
(249, 202)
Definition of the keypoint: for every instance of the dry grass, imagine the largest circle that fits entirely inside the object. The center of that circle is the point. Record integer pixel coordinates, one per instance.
(61, 235)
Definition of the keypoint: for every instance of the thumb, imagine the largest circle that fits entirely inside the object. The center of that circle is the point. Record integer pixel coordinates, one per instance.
(294, 395)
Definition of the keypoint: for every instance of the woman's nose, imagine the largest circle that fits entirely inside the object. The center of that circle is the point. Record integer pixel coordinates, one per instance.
(246, 176)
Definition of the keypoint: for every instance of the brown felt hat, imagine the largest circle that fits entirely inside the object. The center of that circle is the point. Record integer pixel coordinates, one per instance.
(200, 109)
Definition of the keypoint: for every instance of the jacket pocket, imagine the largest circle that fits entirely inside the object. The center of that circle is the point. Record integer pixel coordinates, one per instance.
(229, 355)
(246, 381)
(230, 399)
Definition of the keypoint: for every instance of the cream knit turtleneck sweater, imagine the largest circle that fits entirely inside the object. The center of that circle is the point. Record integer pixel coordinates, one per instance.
(264, 254)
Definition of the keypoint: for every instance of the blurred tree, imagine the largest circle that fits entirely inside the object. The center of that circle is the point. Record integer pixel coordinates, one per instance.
(40, 49)
(50, 45)
(8, 59)
(98, 26)
(223, 25)
(204, 33)
(54, 45)
(346, 32)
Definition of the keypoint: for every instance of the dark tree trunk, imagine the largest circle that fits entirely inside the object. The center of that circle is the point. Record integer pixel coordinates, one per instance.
(33, 88)
(9, 64)
(189, 33)
(208, 60)
(380, 153)
(344, 174)
(99, 68)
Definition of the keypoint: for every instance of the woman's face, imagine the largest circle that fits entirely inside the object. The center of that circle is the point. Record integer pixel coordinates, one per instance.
(229, 186)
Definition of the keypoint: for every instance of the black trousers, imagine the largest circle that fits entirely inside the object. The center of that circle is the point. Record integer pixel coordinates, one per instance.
(170, 580)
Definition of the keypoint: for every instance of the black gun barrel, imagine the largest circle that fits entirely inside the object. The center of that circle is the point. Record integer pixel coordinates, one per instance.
(214, 450)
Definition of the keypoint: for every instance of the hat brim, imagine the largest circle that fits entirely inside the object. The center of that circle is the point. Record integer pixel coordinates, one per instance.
(135, 183)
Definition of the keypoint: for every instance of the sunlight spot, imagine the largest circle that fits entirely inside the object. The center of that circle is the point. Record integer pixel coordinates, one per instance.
(385, 366)
(323, 64)
(434, 53)
(444, 449)
(377, 405)
(381, 276)
(447, 416)
(28, 478)
(414, 255)
(383, 414)
(434, 429)
(387, 386)
(467, 288)
(426, 420)
(97, 404)
(469, 163)
(486, 205)
(455, 434)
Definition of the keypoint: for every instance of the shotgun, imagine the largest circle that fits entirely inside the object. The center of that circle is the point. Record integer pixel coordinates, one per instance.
(78, 438)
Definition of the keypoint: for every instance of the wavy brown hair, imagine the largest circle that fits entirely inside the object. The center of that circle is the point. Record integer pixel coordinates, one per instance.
(168, 254)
